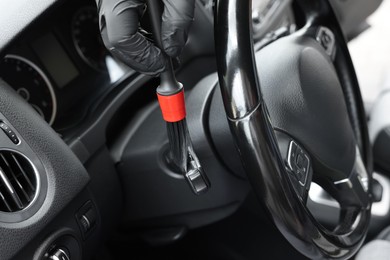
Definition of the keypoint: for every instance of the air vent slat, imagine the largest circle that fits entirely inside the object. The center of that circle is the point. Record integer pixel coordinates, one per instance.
(28, 181)
(10, 189)
(18, 182)
(13, 178)
(23, 191)
(5, 202)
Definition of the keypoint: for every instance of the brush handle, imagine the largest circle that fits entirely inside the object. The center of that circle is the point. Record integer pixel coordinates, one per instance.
(168, 84)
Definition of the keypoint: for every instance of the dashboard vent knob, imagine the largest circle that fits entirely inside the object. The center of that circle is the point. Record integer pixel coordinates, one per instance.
(18, 182)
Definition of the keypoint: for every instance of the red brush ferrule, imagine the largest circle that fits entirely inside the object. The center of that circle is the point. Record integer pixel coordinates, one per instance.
(173, 107)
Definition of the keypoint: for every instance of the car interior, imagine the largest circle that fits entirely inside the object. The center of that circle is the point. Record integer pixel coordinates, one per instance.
(299, 167)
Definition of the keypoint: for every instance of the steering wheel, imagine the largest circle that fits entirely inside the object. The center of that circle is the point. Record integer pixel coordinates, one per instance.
(296, 113)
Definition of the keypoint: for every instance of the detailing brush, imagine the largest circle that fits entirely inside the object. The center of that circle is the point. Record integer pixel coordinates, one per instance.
(170, 93)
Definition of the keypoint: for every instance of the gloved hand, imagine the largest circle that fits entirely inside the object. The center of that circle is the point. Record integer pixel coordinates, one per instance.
(119, 26)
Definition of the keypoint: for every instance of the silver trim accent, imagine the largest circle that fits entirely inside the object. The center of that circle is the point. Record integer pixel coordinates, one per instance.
(87, 220)
(379, 209)
(318, 195)
(344, 181)
(364, 182)
(290, 164)
(55, 257)
(45, 78)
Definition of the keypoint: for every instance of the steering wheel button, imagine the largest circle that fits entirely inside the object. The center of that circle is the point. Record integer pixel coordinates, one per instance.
(327, 39)
(298, 162)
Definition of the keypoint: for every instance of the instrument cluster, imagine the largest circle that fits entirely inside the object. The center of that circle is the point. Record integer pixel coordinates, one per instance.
(60, 67)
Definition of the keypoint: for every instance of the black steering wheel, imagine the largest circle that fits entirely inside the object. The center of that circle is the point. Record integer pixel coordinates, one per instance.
(297, 116)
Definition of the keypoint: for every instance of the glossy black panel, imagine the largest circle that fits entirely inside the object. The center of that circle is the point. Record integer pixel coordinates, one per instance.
(233, 41)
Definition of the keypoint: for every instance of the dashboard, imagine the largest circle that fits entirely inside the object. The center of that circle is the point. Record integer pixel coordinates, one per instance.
(108, 117)
(61, 66)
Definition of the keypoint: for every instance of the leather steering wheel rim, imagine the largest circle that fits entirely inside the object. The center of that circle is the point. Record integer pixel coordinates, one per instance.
(257, 143)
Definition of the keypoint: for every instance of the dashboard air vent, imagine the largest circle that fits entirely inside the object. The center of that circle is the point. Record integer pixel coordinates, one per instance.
(18, 182)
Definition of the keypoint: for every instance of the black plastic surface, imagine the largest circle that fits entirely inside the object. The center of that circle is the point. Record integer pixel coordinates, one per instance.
(382, 150)
(65, 174)
(145, 175)
(64, 225)
(106, 188)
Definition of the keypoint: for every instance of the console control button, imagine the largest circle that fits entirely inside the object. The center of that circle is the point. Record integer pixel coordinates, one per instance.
(87, 218)
(9, 132)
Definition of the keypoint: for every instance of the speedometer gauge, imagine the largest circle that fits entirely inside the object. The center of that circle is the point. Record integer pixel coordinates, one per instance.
(31, 83)
(87, 39)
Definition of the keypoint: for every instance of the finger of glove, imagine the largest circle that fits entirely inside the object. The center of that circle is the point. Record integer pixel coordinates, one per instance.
(176, 22)
(119, 23)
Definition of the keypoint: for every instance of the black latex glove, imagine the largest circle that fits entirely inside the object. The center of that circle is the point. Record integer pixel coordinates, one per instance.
(119, 26)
